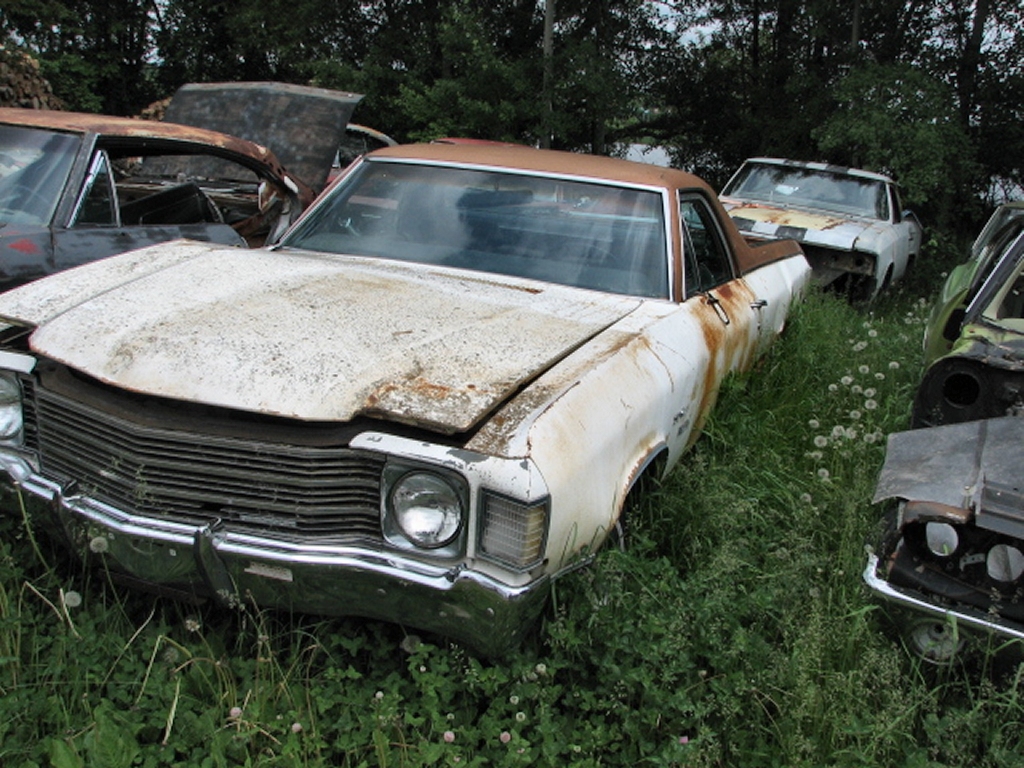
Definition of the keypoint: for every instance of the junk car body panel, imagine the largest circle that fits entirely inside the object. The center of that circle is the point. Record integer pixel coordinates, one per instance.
(954, 551)
(850, 222)
(964, 280)
(982, 374)
(531, 406)
(104, 194)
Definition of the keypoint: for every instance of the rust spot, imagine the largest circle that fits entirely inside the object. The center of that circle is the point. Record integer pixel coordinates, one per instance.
(24, 246)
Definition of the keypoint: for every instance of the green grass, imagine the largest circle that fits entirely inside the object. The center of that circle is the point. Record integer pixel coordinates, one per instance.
(734, 631)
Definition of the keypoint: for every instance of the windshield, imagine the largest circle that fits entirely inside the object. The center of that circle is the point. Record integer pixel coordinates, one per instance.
(810, 188)
(596, 236)
(34, 167)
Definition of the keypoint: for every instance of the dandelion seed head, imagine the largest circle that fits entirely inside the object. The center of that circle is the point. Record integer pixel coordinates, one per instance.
(833, 388)
(838, 431)
(869, 392)
(870, 405)
(820, 441)
(99, 544)
(860, 346)
(806, 498)
(379, 695)
(813, 424)
(541, 669)
(893, 365)
(855, 415)
(846, 381)
(864, 370)
(72, 599)
(856, 389)
(872, 333)
(869, 437)
(880, 376)
(513, 700)
(823, 474)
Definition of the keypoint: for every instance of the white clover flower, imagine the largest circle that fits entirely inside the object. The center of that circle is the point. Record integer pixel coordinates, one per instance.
(513, 700)
(541, 669)
(296, 727)
(870, 405)
(72, 599)
(520, 717)
(813, 424)
(379, 695)
(820, 441)
(449, 737)
(235, 712)
(864, 369)
(192, 624)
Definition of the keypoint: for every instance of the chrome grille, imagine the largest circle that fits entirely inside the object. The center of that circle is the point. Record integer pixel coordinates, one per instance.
(195, 478)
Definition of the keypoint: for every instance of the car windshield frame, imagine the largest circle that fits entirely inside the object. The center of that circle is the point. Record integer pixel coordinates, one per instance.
(579, 232)
(1000, 300)
(35, 165)
(802, 187)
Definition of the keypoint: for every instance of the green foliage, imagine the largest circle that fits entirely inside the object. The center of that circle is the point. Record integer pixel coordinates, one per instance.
(898, 119)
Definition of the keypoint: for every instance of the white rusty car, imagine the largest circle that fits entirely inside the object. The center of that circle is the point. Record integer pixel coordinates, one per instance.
(851, 223)
(428, 401)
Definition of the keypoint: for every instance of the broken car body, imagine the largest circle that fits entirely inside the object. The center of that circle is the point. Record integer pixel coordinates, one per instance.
(77, 187)
(982, 374)
(850, 223)
(952, 558)
(431, 399)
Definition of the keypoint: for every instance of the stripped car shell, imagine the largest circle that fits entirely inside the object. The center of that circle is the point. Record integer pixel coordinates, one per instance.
(850, 222)
(965, 280)
(952, 559)
(78, 187)
(428, 402)
(982, 374)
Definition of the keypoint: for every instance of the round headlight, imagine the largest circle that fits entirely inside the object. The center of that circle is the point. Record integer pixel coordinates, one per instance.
(427, 509)
(941, 538)
(1005, 563)
(10, 407)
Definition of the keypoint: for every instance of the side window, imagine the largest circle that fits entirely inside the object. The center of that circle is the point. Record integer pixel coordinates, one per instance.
(706, 259)
(97, 204)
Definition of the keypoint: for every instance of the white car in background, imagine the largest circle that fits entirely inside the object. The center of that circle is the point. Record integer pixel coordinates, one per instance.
(850, 223)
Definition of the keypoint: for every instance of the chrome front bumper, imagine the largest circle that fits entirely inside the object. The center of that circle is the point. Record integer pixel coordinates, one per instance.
(966, 618)
(335, 580)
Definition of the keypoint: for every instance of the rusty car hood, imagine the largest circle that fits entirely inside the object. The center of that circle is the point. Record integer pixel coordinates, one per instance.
(974, 465)
(303, 125)
(831, 230)
(308, 336)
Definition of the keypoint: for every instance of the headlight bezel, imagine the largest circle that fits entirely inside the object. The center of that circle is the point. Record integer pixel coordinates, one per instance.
(396, 534)
(12, 409)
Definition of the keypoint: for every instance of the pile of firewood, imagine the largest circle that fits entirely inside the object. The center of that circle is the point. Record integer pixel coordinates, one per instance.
(22, 84)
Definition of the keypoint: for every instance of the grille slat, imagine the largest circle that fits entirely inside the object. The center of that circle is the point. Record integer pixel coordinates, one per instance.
(194, 478)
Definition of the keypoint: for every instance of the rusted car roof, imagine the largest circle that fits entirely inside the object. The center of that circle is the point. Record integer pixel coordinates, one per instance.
(80, 122)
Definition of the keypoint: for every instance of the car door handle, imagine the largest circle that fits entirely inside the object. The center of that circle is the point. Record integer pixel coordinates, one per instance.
(759, 304)
(716, 305)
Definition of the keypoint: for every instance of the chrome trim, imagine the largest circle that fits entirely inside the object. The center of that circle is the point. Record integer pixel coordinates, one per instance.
(449, 598)
(906, 599)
